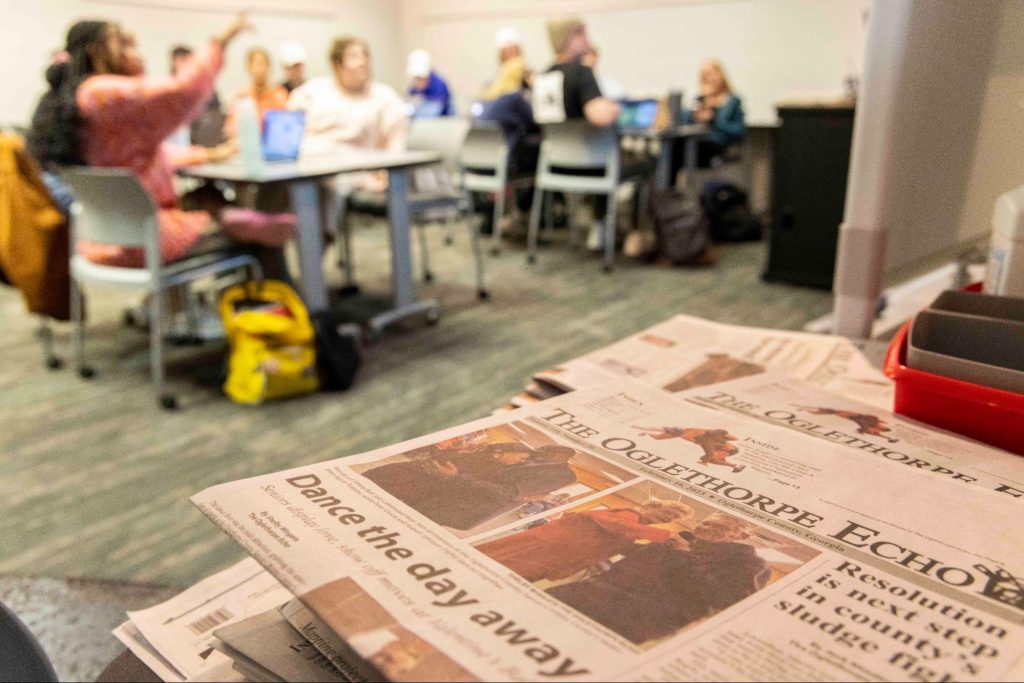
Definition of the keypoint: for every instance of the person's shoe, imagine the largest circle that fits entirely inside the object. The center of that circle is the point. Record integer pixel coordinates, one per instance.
(513, 226)
(595, 237)
(198, 325)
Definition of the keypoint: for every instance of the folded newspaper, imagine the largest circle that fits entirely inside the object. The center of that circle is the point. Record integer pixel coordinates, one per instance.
(684, 352)
(758, 530)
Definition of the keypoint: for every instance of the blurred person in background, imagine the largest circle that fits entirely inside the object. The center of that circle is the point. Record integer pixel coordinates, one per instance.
(260, 89)
(101, 111)
(349, 108)
(293, 60)
(573, 86)
(568, 91)
(428, 92)
(512, 70)
(719, 108)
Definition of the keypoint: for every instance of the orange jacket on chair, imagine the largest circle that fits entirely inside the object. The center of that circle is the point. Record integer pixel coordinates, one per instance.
(33, 233)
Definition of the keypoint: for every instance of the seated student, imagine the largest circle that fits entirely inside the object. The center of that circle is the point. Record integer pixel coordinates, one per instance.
(511, 65)
(580, 95)
(515, 116)
(100, 111)
(718, 107)
(261, 91)
(351, 109)
(293, 61)
(569, 91)
(428, 91)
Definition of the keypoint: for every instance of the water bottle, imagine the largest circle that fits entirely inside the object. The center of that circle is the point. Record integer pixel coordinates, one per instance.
(249, 136)
(1005, 275)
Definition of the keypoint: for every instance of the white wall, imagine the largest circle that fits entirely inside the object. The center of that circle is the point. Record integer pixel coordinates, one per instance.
(33, 29)
(958, 142)
(997, 161)
(774, 50)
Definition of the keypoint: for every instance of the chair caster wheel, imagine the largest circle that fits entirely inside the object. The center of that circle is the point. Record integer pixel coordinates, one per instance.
(449, 240)
(54, 363)
(86, 373)
(607, 268)
(168, 402)
(532, 258)
(428, 277)
(495, 251)
(483, 295)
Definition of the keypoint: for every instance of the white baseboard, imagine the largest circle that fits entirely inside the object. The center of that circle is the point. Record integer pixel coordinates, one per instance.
(904, 300)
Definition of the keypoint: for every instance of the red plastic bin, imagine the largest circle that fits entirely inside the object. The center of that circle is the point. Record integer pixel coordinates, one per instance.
(990, 415)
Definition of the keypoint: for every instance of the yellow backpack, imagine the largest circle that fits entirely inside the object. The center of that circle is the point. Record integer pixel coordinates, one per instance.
(273, 345)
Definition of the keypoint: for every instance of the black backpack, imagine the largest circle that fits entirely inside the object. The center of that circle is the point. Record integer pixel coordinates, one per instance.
(681, 226)
(337, 354)
(729, 215)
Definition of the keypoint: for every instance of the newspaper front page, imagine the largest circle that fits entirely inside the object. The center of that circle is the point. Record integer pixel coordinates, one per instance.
(878, 434)
(685, 352)
(623, 533)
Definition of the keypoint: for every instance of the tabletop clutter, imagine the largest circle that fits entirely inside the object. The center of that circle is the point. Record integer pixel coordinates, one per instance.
(959, 365)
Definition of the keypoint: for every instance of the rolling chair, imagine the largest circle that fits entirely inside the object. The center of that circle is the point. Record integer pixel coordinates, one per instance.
(578, 158)
(484, 161)
(434, 197)
(111, 207)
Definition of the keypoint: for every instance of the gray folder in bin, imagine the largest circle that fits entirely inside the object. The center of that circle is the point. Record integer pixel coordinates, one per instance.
(971, 337)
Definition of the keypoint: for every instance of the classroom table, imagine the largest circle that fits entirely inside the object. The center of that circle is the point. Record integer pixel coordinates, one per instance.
(691, 133)
(304, 179)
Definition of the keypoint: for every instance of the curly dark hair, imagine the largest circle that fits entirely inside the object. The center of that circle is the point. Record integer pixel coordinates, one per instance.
(54, 138)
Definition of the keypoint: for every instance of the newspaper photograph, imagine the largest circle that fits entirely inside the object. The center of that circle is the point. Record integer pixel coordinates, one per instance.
(685, 352)
(647, 562)
(874, 433)
(732, 548)
(485, 479)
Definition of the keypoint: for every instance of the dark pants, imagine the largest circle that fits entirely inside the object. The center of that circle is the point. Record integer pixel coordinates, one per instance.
(707, 149)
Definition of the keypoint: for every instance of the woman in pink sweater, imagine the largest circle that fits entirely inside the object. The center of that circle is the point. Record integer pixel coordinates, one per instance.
(101, 111)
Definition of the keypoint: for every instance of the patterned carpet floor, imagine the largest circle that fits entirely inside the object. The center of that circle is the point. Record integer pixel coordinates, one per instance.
(96, 478)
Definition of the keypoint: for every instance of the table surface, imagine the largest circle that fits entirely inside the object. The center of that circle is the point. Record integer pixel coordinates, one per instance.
(684, 131)
(311, 166)
(127, 667)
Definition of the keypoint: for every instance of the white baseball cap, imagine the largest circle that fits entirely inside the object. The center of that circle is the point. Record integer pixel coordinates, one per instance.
(418, 65)
(506, 37)
(292, 53)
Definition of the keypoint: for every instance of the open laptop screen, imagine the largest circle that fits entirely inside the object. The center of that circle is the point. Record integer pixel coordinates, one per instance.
(638, 113)
(282, 134)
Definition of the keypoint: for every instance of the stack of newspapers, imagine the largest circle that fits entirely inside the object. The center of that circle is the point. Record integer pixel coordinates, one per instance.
(762, 528)
(684, 352)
